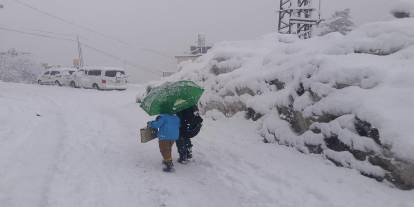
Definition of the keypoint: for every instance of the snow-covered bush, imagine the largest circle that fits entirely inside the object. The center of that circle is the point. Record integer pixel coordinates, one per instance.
(340, 22)
(18, 67)
(349, 98)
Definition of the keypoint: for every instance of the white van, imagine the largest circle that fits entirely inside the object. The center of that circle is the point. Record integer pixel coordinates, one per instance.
(101, 78)
(57, 76)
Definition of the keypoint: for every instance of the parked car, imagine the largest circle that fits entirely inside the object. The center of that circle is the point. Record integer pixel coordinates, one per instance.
(65, 76)
(101, 78)
(58, 76)
(44, 78)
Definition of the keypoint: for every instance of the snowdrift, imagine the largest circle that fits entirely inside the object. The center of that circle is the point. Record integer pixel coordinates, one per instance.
(349, 98)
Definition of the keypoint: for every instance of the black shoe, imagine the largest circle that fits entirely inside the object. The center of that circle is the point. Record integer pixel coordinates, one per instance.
(168, 166)
(189, 156)
(182, 160)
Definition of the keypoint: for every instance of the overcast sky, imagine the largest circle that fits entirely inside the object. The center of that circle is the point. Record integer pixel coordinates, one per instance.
(167, 27)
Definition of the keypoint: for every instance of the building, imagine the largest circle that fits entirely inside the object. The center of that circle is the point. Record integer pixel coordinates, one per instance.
(195, 50)
(185, 58)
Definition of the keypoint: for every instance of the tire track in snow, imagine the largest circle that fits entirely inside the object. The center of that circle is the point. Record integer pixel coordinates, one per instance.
(106, 174)
(44, 200)
(33, 157)
(65, 167)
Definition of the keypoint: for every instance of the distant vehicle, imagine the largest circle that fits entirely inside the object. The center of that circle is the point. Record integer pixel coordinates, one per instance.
(100, 78)
(58, 76)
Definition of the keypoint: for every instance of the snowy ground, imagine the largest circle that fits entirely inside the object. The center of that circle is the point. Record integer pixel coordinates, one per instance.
(83, 151)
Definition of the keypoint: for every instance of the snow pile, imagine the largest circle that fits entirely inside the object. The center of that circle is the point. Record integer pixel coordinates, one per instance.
(340, 22)
(346, 97)
(18, 67)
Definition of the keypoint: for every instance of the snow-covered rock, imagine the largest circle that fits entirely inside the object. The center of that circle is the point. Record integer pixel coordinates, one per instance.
(349, 97)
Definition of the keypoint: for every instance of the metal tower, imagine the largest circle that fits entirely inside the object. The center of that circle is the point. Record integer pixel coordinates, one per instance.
(296, 17)
(201, 47)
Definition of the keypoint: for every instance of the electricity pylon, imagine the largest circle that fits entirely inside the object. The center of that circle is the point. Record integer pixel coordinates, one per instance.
(296, 17)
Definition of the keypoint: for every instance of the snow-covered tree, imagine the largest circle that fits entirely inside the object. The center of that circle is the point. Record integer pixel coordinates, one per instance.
(18, 67)
(403, 9)
(340, 22)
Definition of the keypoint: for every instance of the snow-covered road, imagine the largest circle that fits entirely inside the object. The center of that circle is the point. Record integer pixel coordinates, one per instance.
(82, 150)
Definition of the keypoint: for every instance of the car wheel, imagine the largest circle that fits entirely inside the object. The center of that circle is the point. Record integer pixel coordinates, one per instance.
(57, 83)
(95, 86)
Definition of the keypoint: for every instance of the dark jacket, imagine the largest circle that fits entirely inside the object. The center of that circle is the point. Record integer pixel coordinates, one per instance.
(191, 122)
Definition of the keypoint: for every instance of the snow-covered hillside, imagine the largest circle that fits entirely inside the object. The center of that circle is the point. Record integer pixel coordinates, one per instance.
(73, 147)
(349, 97)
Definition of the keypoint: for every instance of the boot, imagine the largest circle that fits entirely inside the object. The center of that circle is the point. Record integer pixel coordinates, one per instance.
(189, 154)
(182, 159)
(168, 166)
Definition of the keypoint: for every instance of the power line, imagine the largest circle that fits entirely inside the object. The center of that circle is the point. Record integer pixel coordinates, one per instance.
(27, 5)
(103, 52)
(52, 33)
(118, 58)
(35, 34)
(47, 33)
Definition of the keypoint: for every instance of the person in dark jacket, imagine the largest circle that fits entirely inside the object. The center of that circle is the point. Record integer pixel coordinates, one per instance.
(168, 132)
(191, 123)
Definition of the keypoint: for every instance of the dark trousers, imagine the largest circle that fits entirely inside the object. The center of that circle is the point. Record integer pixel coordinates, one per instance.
(184, 147)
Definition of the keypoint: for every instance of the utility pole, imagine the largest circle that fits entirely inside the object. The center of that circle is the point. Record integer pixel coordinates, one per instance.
(80, 55)
(320, 10)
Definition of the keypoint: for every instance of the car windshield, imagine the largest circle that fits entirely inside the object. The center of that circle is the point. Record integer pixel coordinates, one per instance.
(94, 72)
(112, 73)
(54, 72)
(71, 72)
